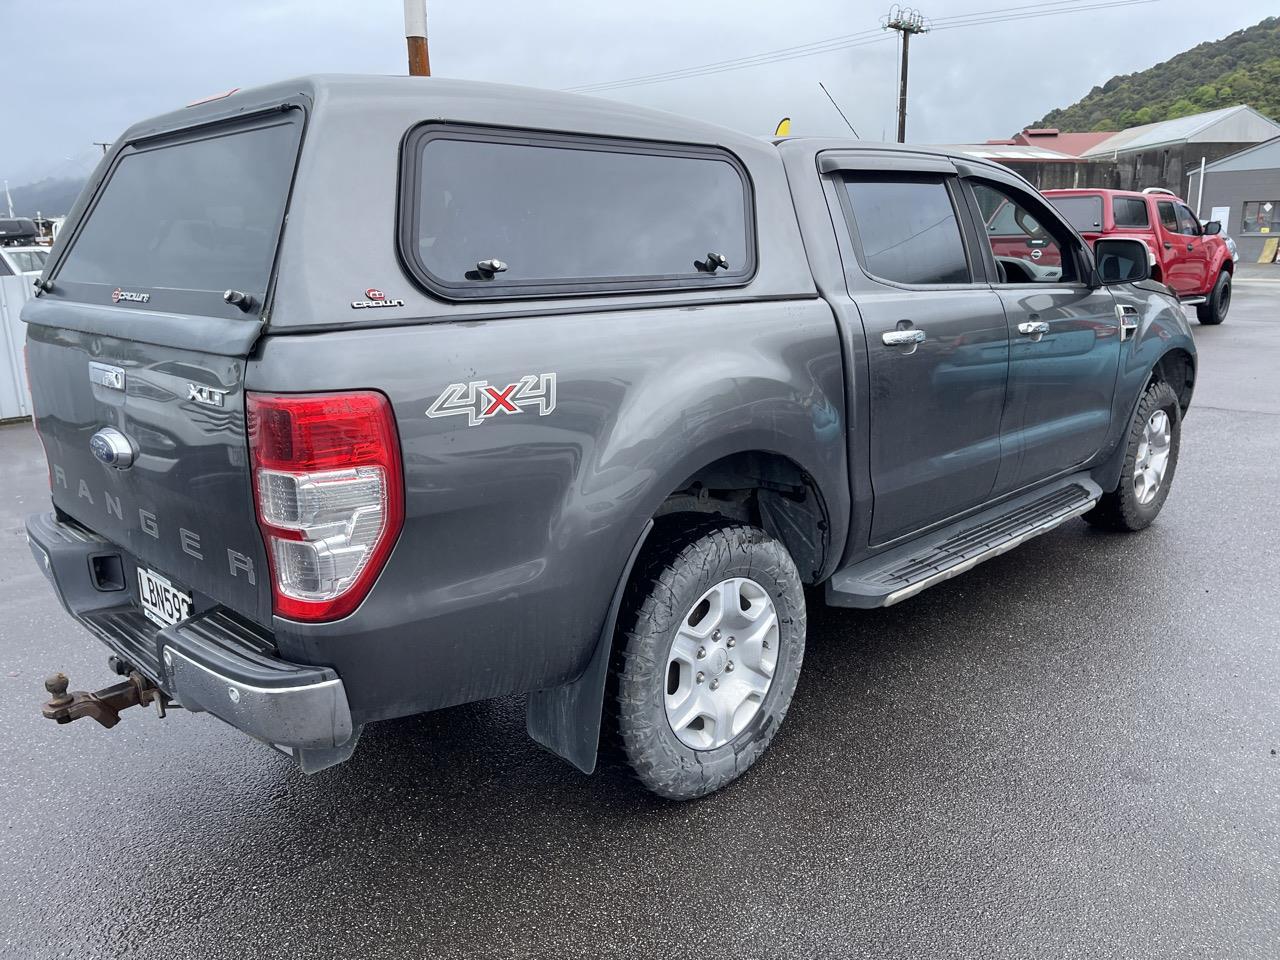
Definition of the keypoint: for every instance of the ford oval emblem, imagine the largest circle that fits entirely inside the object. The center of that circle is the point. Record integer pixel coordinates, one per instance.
(112, 447)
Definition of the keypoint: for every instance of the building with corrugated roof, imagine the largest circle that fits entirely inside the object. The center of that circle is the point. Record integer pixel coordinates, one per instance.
(1164, 154)
(1160, 154)
(1051, 138)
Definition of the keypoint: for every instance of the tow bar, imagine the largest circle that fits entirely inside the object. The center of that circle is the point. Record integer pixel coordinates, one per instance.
(104, 705)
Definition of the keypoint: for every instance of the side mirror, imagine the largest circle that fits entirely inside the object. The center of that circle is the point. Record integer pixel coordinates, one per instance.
(1121, 260)
(1212, 227)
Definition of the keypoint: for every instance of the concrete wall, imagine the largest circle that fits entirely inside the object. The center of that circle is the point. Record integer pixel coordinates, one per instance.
(15, 398)
(1231, 188)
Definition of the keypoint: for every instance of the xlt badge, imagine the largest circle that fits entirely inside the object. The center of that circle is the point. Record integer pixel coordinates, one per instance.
(209, 396)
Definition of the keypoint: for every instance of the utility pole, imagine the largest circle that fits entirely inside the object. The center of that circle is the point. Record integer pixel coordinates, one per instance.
(99, 143)
(415, 33)
(8, 199)
(907, 22)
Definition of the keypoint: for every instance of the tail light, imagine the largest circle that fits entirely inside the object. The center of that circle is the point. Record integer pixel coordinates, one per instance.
(330, 496)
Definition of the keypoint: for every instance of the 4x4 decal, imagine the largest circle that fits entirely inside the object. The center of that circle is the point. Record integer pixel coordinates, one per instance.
(479, 400)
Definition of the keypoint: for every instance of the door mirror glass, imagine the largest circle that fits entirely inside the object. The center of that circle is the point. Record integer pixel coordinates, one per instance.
(1121, 260)
(1212, 227)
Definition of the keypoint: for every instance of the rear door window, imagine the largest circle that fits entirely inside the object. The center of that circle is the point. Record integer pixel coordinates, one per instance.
(1083, 213)
(571, 214)
(908, 230)
(181, 221)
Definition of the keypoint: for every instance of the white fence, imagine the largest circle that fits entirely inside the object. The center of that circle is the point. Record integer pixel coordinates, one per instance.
(15, 398)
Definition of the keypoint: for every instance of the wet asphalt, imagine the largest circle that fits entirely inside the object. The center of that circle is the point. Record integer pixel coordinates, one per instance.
(1068, 752)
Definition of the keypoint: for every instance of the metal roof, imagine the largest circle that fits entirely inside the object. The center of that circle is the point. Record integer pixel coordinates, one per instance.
(1072, 144)
(1238, 124)
(1005, 151)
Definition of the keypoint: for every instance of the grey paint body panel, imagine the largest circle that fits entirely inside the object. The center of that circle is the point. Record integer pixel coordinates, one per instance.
(518, 529)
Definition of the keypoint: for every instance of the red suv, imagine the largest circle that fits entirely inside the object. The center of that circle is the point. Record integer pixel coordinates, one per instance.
(1191, 259)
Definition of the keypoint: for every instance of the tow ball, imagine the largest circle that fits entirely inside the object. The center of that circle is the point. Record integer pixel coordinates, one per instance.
(105, 704)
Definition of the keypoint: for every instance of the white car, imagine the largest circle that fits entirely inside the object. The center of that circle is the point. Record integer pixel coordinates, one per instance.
(14, 260)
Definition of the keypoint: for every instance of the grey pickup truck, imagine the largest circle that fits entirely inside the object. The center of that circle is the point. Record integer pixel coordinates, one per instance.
(363, 397)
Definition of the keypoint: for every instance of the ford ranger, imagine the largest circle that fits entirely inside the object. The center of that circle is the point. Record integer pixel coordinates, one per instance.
(598, 394)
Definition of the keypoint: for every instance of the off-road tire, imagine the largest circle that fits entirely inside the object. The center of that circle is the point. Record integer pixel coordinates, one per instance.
(1120, 509)
(673, 572)
(1214, 310)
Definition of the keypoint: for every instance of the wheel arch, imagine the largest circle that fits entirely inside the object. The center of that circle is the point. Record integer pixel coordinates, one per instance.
(1176, 367)
(767, 489)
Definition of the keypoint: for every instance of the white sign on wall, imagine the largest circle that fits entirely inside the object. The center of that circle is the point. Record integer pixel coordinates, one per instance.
(1222, 215)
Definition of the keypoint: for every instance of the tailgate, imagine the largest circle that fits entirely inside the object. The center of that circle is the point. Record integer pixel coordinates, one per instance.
(136, 359)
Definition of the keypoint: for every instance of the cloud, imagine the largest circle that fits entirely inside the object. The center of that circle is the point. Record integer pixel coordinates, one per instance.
(98, 67)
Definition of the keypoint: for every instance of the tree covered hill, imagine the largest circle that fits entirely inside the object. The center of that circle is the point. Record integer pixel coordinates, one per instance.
(1241, 68)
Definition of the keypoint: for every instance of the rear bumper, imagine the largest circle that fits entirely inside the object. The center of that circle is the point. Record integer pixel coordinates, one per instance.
(213, 661)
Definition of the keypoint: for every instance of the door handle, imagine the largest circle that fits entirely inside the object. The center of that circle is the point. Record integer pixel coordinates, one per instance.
(1168, 245)
(1032, 328)
(902, 338)
(1190, 247)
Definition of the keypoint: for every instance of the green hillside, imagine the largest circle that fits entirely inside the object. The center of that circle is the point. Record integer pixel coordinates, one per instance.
(1241, 68)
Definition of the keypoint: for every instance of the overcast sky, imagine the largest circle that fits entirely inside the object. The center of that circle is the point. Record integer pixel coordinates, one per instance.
(95, 66)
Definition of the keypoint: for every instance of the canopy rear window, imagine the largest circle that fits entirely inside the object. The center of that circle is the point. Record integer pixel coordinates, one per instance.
(180, 222)
(568, 214)
(1084, 212)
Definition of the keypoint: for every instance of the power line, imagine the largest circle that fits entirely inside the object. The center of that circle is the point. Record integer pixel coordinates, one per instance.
(848, 41)
(1077, 8)
(1025, 6)
(803, 49)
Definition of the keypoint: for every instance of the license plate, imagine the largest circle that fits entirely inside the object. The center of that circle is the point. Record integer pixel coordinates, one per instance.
(162, 602)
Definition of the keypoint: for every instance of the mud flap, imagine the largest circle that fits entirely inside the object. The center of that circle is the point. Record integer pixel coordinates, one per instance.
(566, 719)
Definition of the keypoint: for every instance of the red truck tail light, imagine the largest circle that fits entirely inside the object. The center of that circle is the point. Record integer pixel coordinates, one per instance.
(329, 493)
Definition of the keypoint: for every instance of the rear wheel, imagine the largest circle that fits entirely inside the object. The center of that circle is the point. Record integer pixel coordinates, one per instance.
(710, 643)
(1151, 457)
(1214, 310)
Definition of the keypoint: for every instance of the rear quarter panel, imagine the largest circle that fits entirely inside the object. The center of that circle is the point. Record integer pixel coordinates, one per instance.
(517, 528)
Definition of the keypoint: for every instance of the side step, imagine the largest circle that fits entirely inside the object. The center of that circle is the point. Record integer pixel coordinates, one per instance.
(904, 571)
(1192, 301)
